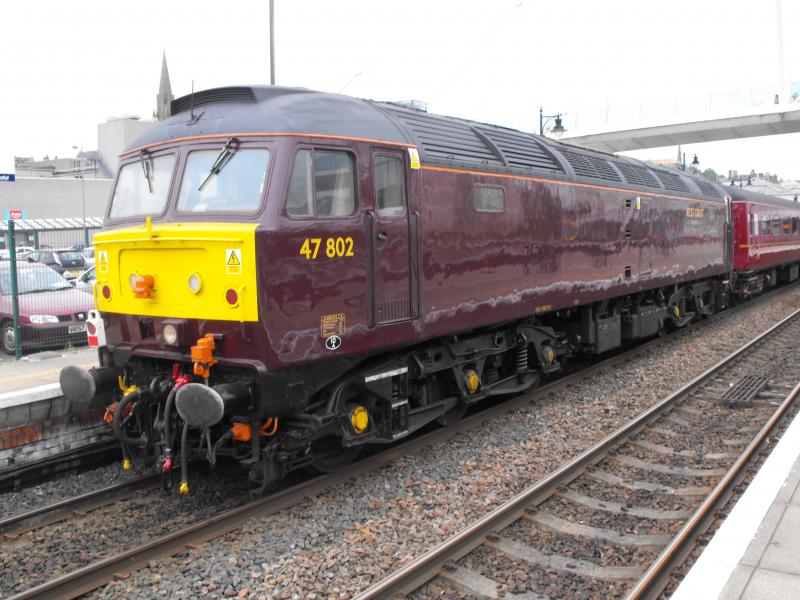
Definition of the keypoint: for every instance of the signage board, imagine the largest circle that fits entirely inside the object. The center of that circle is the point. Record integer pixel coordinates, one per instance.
(15, 214)
(10, 177)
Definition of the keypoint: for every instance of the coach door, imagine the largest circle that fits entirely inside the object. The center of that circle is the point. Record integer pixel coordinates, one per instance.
(390, 239)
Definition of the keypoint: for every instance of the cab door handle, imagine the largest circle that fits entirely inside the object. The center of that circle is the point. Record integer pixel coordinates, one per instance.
(382, 239)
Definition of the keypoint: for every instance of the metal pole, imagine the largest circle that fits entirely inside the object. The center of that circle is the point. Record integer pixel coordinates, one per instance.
(12, 249)
(83, 207)
(541, 121)
(272, 42)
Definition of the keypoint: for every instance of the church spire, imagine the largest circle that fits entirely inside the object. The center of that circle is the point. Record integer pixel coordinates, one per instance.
(164, 96)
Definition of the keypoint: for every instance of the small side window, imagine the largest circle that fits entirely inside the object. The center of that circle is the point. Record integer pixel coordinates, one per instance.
(776, 225)
(389, 188)
(794, 224)
(322, 184)
(490, 198)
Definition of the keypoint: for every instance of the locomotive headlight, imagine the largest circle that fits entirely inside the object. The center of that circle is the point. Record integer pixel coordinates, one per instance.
(195, 283)
(170, 335)
(132, 280)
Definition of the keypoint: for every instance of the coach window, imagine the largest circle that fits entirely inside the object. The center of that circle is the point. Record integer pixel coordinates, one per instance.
(765, 226)
(322, 184)
(490, 198)
(389, 189)
(776, 225)
(794, 224)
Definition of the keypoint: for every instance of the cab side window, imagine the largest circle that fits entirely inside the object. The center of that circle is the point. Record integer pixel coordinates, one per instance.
(389, 188)
(322, 184)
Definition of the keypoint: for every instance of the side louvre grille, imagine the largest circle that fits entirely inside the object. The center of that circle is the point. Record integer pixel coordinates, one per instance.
(590, 166)
(637, 175)
(226, 94)
(447, 140)
(521, 151)
(707, 188)
(672, 181)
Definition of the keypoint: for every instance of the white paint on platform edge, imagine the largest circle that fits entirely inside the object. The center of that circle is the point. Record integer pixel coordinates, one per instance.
(33, 394)
(708, 576)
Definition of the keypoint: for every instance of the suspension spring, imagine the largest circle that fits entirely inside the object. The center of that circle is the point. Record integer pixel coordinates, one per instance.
(521, 359)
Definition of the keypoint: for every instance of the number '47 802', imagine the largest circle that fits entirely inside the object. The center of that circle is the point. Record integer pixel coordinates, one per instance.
(335, 247)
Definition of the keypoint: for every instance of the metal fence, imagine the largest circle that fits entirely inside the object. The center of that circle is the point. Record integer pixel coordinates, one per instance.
(46, 283)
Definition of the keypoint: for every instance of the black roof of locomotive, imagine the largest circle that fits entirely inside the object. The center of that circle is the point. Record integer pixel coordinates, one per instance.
(440, 140)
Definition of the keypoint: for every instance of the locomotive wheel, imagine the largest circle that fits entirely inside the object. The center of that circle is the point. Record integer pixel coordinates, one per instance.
(328, 455)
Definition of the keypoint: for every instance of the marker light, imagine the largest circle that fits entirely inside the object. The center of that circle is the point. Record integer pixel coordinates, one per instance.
(106, 292)
(170, 335)
(195, 283)
(132, 280)
(232, 297)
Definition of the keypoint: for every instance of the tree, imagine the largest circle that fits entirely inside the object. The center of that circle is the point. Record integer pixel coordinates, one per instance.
(710, 174)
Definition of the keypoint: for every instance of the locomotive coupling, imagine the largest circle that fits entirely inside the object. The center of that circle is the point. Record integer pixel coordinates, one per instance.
(80, 385)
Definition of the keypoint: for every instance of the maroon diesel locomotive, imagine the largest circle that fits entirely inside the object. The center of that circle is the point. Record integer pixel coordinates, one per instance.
(286, 276)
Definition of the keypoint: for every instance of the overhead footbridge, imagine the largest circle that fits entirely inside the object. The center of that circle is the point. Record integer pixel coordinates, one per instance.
(773, 120)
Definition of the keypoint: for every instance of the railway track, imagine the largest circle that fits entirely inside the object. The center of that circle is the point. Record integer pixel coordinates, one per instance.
(101, 571)
(618, 518)
(77, 459)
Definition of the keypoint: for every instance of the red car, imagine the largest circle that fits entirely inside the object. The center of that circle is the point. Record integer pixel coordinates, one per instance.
(52, 312)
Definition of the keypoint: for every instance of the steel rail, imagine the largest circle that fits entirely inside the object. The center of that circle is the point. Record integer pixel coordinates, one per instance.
(101, 572)
(426, 567)
(657, 576)
(42, 516)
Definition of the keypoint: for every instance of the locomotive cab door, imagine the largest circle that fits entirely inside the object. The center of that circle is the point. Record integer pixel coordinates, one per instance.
(390, 239)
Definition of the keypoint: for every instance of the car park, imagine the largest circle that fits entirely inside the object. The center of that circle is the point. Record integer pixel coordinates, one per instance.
(51, 312)
(86, 280)
(88, 255)
(69, 263)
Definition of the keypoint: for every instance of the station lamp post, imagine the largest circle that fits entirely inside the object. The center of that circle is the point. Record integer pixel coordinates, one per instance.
(557, 130)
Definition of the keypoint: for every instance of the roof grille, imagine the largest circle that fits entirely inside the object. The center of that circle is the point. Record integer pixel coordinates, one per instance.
(672, 181)
(226, 94)
(590, 166)
(637, 175)
(707, 188)
(521, 150)
(446, 139)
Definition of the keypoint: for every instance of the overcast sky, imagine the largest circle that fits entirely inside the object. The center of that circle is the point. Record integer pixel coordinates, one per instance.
(68, 66)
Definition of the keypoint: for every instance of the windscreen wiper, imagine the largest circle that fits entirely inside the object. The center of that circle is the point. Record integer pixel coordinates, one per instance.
(147, 167)
(231, 148)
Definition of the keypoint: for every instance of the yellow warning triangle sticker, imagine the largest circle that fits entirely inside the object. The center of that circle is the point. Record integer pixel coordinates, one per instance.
(233, 259)
(103, 259)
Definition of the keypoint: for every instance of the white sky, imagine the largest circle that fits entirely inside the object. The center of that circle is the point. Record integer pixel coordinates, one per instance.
(67, 66)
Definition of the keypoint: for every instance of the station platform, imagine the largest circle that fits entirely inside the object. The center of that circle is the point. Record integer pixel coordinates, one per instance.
(755, 553)
(36, 420)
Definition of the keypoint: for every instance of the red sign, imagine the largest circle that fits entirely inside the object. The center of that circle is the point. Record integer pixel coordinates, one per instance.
(15, 215)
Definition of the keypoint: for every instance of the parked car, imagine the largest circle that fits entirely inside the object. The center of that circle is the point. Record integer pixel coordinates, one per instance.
(22, 252)
(52, 312)
(88, 254)
(86, 280)
(69, 263)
